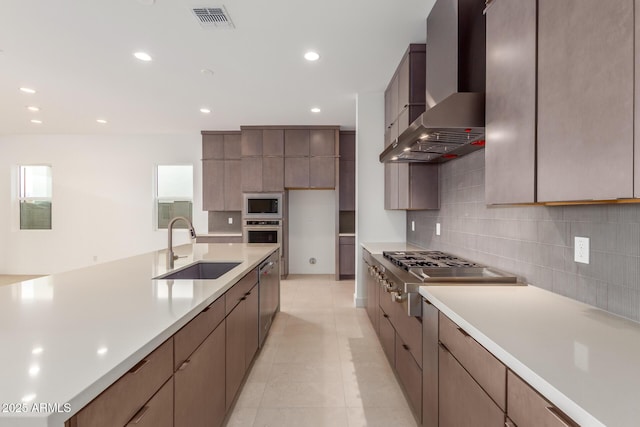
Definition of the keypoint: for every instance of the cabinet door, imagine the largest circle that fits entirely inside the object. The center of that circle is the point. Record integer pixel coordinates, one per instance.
(388, 114)
(372, 301)
(394, 108)
(296, 142)
(410, 376)
(212, 147)
(252, 316)
(347, 259)
(251, 174)
(273, 142)
(510, 151)
(296, 172)
(199, 384)
(403, 120)
(235, 351)
(273, 174)
(403, 87)
(347, 185)
(213, 185)
(585, 99)
(423, 187)
(322, 142)
(391, 185)
(232, 185)
(348, 145)
(251, 142)
(322, 172)
(462, 402)
(403, 186)
(232, 146)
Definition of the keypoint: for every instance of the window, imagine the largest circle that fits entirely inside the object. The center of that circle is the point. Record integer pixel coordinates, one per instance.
(35, 197)
(174, 194)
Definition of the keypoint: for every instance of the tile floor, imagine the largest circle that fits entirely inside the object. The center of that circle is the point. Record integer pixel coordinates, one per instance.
(322, 365)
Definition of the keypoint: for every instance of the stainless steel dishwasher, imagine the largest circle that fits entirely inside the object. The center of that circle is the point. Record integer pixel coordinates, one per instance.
(269, 292)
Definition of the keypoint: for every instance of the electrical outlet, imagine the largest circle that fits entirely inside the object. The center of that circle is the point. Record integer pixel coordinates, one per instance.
(413, 226)
(437, 228)
(230, 220)
(581, 250)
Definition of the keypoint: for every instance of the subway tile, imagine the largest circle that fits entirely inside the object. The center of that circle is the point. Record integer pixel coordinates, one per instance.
(587, 290)
(624, 301)
(631, 274)
(543, 278)
(553, 232)
(564, 284)
(586, 213)
(627, 239)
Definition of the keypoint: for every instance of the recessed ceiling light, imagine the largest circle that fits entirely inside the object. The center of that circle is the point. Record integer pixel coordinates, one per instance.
(27, 90)
(36, 121)
(32, 108)
(37, 350)
(101, 121)
(205, 110)
(34, 370)
(207, 72)
(315, 110)
(311, 56)
(102, 351)
(142, 56)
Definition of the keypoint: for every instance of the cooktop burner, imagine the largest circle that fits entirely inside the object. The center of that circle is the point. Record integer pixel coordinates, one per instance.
(432, 259)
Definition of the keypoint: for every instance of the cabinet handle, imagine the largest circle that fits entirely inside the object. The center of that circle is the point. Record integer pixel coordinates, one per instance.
(560, 416)
(184, 365)
(427, 301)
(463, 332)
(444, 347)
(138, 366)
(487, 5)
(139, 415)
(206, 309)
(243, 298)
(386, 316)
(247, 294)
(406, 347)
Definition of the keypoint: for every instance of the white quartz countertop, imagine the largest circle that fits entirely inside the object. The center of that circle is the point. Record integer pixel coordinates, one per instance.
(379, 247)
(582, 359)
(66, 337)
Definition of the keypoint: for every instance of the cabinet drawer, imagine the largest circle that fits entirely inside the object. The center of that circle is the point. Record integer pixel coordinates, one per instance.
(410, 330)
(528, 408)
(187, 339)
(124, 398)
(347, 240)
(238, 291)
(462, 402)
(482, 365)
(387, 337)
(158, 412)
(410, 376)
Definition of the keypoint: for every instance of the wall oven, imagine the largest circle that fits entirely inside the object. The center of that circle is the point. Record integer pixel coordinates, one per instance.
(262, 205)
(262, 231)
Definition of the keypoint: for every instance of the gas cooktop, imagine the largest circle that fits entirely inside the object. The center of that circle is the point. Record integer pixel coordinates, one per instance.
(409, 259)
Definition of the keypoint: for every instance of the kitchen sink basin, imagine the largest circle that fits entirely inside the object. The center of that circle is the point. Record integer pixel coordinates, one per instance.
(201, 270)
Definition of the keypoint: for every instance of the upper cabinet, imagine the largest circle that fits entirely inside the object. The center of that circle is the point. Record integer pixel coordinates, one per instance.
(310, 158)
(347, 170)
(577, 142)
(221, 171)
(408, 186)
(262, 160)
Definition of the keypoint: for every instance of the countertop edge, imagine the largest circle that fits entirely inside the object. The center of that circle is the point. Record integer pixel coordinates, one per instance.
(564, 403)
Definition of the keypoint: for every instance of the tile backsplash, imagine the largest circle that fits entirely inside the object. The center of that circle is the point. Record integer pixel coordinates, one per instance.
(536, 242)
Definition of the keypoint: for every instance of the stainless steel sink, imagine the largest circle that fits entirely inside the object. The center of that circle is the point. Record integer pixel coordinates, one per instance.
(201, 270)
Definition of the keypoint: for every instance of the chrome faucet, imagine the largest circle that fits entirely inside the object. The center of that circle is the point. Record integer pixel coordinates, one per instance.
(170, 255)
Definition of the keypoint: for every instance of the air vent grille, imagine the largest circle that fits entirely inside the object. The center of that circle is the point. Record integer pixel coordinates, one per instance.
(213, 17)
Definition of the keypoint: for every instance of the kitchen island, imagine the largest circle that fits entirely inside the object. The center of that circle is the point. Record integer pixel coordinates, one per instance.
(581, 359)
(68, 337)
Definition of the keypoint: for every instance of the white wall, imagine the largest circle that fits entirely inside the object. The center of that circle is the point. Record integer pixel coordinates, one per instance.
(103, 189)
(312, 230)
(373, 222)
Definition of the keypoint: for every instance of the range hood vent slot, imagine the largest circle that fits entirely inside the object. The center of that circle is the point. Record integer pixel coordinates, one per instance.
(213, 17)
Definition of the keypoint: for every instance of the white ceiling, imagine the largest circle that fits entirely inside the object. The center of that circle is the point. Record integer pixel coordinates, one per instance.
(77, 54)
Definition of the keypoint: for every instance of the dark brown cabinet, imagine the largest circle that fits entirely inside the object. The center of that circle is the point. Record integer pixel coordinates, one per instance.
(347, 248)
(199, 384)
(510, 152)
(347, 171)
(462, 402)
(296, 172)
(262, 160)
(430, 318)
(387, 336)
(221, 171)
(410, 375)
(252, 327)
(310, 158)
(158, 412)
(411, 186)
(322, 172)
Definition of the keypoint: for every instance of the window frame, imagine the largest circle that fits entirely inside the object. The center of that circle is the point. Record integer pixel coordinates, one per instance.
(21, 199)
(157, 200)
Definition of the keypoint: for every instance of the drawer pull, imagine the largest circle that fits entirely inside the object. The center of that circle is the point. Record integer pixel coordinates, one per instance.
(184, 365)
(463, 332)
(444, 347)
(406, 347)
(386, 316)
(140, 415)
(206, 309)
(138, 366)
(560, 416)
(248, 293)
(427, 301)
(243, 298)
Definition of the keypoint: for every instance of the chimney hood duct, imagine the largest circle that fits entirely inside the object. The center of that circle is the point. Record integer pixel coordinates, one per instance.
(453, 124)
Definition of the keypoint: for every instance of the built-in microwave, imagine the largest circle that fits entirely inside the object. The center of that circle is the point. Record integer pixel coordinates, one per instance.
(262, 205)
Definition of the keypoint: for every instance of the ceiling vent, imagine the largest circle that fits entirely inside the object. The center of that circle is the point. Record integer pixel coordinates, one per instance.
(213, 17)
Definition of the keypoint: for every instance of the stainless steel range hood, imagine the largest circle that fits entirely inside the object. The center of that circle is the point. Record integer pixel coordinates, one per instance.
(454, 127)
(453, 124)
